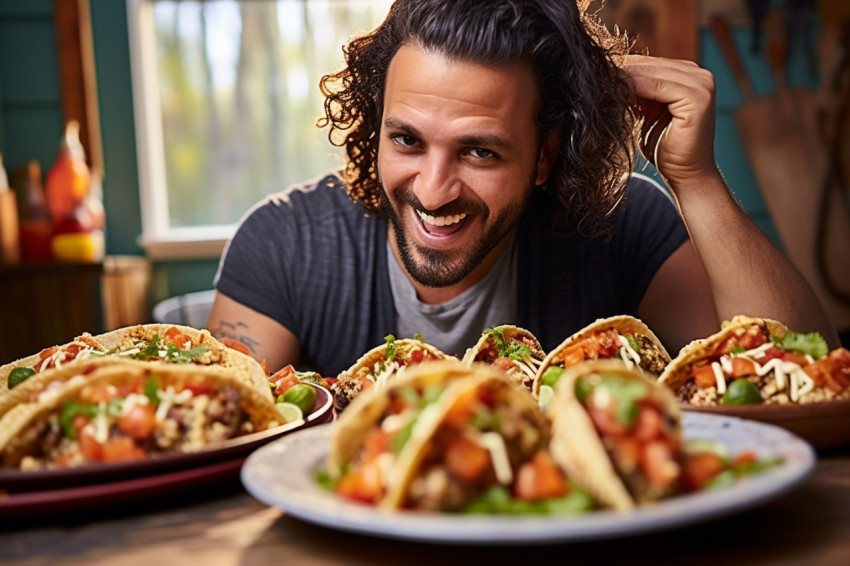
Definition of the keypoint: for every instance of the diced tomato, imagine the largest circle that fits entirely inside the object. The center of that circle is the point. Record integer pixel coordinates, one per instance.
(96, 393)
(78, 422)
(605, 421)
(329, 382)
(742, 367)
(89, 341)
(462, 409)
(727, 345)
(265, 366)
(236, 345)
(72, 351)
(649, 424)
(540, 478)
(700, 468)
(174, 336)
(704, 376)
(91, 449)
(284, 378)
(573, 355)
(840, 357)
(377, 442)
(607, 343)
(658, 463)
(43, 355)
(752, 338)
(626, 451)
(466, 460)
(771, 354)
(416, 356)
(503, 363)
(363, 483)
(795, 358)
(122, 449)
(748, 457)
(139, 422)
(198, 389)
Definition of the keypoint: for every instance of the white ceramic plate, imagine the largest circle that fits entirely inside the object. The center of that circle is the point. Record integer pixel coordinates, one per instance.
(283, 474)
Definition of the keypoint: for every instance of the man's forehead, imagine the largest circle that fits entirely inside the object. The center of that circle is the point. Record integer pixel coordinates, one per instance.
(420, 76)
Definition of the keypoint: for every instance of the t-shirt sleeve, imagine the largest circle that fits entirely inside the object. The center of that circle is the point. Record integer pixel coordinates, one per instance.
(648, 230)
(253, 270)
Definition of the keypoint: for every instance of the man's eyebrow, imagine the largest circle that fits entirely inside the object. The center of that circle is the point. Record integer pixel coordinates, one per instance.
(393, 123)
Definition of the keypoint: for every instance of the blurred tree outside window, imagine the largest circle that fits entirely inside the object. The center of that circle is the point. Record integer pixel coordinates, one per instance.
(230, 113)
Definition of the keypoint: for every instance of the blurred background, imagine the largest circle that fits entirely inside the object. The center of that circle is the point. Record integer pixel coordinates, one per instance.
(136, 133)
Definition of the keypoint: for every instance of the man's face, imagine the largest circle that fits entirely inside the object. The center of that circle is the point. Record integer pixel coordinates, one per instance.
(458, 157)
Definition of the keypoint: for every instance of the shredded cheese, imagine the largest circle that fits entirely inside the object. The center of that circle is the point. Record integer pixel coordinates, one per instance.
(719, 377)
(627, 350)
(168, 398)
(495, 445)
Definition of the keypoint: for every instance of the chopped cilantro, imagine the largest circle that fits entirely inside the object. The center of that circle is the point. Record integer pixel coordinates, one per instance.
(508, 348)
(633, 342)
(418, 337)
(738, 349)
(398, 441)
(812, 343)
(392, 348)
(150, 389)
(71, 409)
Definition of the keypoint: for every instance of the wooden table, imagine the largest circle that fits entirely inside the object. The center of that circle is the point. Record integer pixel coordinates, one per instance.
(809, 526)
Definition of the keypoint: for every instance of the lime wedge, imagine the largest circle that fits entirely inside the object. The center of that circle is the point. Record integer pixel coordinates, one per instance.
(545, 395)
(290, 412)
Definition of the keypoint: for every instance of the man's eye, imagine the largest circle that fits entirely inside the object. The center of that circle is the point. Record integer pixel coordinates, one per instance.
(480, 153)
(404, 140)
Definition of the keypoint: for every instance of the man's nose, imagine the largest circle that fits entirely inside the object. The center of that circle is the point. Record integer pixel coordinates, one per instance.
(437, 182)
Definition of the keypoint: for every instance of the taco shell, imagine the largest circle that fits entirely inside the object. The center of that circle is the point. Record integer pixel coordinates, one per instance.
(216, 406)
(653, 356)
(583, 451)
(487, 350)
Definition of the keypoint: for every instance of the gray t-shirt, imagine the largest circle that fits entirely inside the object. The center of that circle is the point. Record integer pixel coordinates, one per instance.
(311, 259)
(456, 325)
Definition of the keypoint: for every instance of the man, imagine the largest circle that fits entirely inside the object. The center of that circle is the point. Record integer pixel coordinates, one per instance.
(488, 149)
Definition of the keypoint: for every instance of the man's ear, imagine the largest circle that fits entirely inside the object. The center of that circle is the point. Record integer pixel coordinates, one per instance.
(548, 154)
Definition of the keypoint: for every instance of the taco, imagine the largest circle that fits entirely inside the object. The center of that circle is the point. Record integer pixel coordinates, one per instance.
(451, 437)
(617, 432)
(514, 350)
(758, 360)
(381, 364)
(155, 343)
(132, 410)
(623, 337)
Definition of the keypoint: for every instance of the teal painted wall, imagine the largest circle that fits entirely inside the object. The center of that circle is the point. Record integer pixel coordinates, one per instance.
(31, 121)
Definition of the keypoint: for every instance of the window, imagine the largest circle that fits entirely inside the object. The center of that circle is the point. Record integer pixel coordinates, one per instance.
(226, 100)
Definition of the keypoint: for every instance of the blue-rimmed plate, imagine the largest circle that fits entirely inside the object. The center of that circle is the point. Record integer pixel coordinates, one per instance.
(283, 474)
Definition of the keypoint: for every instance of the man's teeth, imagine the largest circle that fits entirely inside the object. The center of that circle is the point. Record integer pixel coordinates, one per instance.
(440, 220)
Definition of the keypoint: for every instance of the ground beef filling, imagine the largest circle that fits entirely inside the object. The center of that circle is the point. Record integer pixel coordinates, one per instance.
(202, 421)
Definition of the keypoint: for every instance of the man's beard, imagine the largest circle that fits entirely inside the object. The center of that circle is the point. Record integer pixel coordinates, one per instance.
(435, 268)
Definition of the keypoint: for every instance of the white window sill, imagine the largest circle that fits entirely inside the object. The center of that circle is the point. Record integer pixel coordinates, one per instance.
(186, 243)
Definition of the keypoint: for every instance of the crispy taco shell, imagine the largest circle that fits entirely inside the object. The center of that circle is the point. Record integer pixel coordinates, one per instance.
(529, 432)
(653, 355)
(584, 452)
(523, 370)
(374, 409)
(374, 368)
(678, 371)
(217, 354)
(232, 408)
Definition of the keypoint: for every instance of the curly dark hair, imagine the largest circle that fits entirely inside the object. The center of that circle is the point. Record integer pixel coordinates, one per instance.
(584, 96)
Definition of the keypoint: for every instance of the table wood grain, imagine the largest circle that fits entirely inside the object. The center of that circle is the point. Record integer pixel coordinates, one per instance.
(222, 525)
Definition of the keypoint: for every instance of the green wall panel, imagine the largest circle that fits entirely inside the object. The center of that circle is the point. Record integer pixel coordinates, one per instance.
(31, 134)
(28, 62)
(115, 94)
(26, 8)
